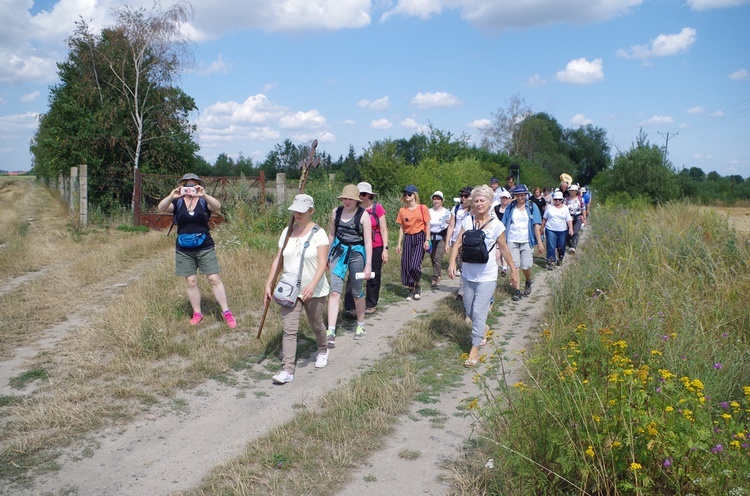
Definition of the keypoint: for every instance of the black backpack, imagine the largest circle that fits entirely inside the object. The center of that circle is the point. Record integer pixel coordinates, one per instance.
(473, 247)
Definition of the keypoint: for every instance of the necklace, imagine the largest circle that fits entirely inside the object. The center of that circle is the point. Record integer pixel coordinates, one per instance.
(190, 205)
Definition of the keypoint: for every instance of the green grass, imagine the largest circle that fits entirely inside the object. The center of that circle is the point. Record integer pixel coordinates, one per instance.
(640, 384)
(26, 378)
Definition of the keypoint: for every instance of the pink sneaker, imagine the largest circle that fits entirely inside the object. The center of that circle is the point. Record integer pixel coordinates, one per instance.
(230, 319)
(197, 317)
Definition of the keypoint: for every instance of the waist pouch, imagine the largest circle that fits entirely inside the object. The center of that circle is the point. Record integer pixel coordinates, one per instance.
(193, 240)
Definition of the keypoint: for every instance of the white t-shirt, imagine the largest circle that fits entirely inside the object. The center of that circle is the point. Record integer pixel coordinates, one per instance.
(475, 272)
(439, 220)
(292, 253)
(518, 232)
(461, 214)
(557, 218)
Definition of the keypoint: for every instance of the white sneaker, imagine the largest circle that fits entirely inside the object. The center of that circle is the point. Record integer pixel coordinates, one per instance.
(282, 377)
(322, 360)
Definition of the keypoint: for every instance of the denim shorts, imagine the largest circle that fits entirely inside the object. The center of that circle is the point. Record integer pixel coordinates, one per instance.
(187, 263)
(523, 255)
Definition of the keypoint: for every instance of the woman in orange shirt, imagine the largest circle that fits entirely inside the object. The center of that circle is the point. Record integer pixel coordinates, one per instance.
(413, 235)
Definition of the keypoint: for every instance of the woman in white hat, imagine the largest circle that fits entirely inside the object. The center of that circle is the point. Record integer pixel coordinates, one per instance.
(577, 209)
(379, 251)
(557, 225)
(350, 236)
(440, 217)
(194, 246)
(309, 240)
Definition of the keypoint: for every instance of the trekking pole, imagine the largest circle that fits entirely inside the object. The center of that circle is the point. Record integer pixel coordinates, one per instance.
(311, 162)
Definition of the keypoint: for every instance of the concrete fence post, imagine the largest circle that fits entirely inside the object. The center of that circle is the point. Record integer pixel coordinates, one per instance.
(280, 189)
(83, 197)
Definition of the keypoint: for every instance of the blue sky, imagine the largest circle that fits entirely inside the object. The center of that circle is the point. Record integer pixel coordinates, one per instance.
(349, 72)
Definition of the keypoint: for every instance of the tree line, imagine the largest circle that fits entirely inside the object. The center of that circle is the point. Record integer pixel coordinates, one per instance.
(118, 108)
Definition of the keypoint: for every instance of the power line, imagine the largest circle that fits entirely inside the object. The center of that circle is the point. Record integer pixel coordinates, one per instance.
(666, 147)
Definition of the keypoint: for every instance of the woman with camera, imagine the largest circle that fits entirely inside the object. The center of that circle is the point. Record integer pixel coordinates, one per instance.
(306, 249)
(194, 247)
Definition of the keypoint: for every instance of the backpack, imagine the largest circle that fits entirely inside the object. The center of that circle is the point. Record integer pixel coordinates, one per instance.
(180, 202)
(473, 248)
(357, 222)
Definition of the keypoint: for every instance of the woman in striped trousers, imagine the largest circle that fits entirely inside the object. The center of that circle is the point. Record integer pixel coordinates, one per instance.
(413, 240)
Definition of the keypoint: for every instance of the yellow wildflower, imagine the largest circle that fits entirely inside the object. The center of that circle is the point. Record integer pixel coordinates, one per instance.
(726, 416)
(656, 352)
(590, 451)
(635, 466)
(734, 444)
(668, 409)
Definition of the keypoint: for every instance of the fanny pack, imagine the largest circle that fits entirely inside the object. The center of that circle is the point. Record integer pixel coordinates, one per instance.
(191, 240)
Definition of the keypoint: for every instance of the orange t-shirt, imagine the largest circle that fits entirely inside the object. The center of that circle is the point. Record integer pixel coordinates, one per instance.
(414, 221)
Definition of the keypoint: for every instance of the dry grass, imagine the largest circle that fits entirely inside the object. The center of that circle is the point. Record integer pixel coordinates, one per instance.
(739, 217)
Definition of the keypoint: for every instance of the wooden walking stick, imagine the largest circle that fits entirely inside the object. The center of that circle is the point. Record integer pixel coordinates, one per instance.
(311, 162)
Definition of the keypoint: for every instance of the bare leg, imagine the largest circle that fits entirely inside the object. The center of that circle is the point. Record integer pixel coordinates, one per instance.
(334, 299)
(359, 305)
(219, 292)
(193, 293)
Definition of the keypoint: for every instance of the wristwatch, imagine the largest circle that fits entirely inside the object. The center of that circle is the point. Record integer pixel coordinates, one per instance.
(385, 247)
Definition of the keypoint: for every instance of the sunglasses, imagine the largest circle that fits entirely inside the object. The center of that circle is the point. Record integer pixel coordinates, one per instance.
(557, 199)
(407, 193)
(465, 196)
(363, 194)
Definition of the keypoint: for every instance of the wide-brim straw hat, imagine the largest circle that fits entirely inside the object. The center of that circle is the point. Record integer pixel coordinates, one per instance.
(350, 191)
(191, 177)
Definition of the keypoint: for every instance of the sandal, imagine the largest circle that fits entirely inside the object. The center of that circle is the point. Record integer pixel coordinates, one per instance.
(470, 364)
(486, 331)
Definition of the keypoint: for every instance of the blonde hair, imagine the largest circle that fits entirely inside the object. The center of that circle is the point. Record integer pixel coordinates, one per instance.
(485, 191)
(415, 195)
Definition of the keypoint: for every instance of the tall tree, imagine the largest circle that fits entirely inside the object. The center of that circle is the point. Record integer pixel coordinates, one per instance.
(501, 135)
(589, 151)
(91, 121)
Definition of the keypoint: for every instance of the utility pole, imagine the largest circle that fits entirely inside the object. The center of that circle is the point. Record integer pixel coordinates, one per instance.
(666, 146)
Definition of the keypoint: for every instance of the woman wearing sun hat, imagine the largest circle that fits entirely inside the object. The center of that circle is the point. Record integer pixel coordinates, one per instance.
(558, 225)
(350, 236)
(413, 239)
(523, 231)
(439, 219)
(194, 246)
(379, 251)
(309, 240)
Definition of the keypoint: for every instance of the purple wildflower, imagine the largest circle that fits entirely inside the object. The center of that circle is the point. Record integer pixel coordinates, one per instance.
(724, 405)
(718, 366)
(667, 462)
(725, 335)
(717, 449)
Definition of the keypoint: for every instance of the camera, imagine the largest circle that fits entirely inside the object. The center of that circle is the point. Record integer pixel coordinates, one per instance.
(188, 190)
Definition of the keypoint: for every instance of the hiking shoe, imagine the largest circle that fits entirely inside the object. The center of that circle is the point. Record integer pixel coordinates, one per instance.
(197, 317)
(572, 251)
(459, 297)
(417, 292)
(527, 288)
(359, 333)
(331, 338)
(371, 310)
(322, 360)
(516, 295)
(282, 377)
(230, 319)
(550, 266)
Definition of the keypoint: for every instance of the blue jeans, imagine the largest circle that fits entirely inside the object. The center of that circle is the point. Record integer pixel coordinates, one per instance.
(556, 240)
(477, 299)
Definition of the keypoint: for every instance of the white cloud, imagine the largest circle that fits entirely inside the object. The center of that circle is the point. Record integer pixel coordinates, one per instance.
(500, 16)
(581, 71)
(349, 122)
(218, 66)
(695, 111)
(579, 120)
(739, 75)
(256, 118)
(479, 124)
(379, 104)
(700, 156)
(30, 97)
(381, 124)
(663, 45)
(435, 100)
(717, 114)
(415, 126)
(18, 126)
(535, 81)
(714, 4)
(658, 120)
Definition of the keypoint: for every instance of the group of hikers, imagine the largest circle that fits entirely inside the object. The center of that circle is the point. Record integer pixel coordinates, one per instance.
(491, 232)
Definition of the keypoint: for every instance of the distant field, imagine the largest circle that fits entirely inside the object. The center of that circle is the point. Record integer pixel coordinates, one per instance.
(739, 217)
